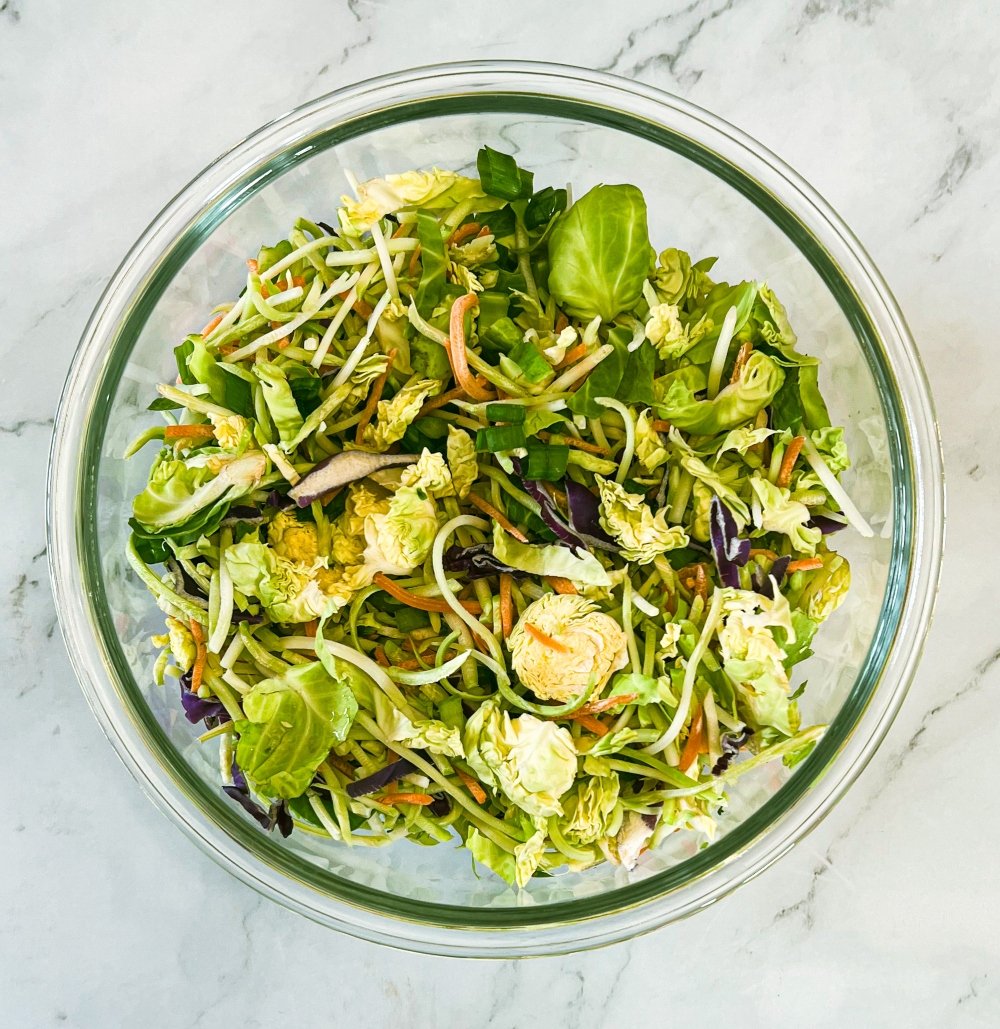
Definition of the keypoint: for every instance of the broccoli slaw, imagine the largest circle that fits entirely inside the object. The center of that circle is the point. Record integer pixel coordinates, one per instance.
(475, 520)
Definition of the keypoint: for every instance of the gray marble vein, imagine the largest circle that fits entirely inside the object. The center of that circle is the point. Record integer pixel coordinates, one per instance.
(886, 914)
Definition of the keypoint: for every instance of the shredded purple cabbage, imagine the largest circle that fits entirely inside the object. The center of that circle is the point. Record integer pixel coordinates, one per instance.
(585, 516)
(732, 743)
(196, 709)
(377, 780)
(550, 514)
(277, 816)
(761, 581)
(730, 552)
(281, 818)
(825, 525)
(477, 561)
(440, 807)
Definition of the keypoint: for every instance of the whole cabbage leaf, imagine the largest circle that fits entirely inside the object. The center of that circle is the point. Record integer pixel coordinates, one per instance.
(599, 253)
(291, 723)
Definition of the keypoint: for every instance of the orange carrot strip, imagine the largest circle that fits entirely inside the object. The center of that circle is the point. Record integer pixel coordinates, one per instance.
(788, 461)
(298, 280)
(595, 726)
(462, 233)
(456, 349)
(201, 655)
(660, 425)
(363, 308)
(380, 656)
(498, 516)
(399, 231)
(478, 793)
(174, 432)
(805, 564)
(311, 627)
(506, 605)
(560, 585)
(438, 604)
(572, 356)
(597, 706)
(696, 739)
(422, 799)
(252, 265)
(371, 404)
(763, 552)
(211, 325)
(442, 401)
(411, 268)
(562, 322)
(545, 639)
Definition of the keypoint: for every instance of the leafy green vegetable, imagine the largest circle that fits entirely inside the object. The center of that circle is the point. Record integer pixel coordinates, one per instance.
(737, 403)
(555, 560)
(432, 263)
(599, 253)
(291, 723)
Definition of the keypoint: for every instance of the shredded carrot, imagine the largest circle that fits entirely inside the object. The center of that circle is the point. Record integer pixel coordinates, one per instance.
(478, 793)
(596, 706)
(442, 401)
(456, 349)
(282, 343)
(572, 441)
(788, 461)
(201, 655)
(763, 552)
(805, 564)
(411, 268)
(694, 578)
(380, 656)
(265, 292)
(701, 582)
(422, 799)
(742, 356)
(696, 739)
(660, 425)
(498, 516)
(411, 664)
(252, 265)
(195, 432)
(438, 604)
(311, 628)
(572, 356)
(597, 727)
(560, 585)
(298, 280)
(562, 322)
(484, 231)
(545, 639)
(399, 231)
(506, 605)
(368, 411)
(341, 765)
(211, 325)
(462, 233)
(363, 308)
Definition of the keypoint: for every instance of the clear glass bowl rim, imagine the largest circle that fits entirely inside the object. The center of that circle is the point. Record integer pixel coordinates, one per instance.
(918, 499)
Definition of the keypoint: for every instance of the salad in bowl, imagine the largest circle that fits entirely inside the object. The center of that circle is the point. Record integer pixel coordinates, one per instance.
(478, 520)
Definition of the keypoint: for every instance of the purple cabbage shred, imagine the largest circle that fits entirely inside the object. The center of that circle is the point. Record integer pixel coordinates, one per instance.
(731, 552)
(825, 525)
(477, 561)
(377, 780)
(732, 743)
(196, 709)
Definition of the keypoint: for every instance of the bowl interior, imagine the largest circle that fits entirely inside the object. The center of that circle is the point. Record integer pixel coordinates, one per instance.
(697, 202)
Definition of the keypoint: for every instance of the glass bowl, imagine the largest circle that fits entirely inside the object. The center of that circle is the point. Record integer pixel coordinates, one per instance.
(711, 190)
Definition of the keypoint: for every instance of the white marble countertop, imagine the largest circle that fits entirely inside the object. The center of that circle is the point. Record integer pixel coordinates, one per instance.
(886, 915)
